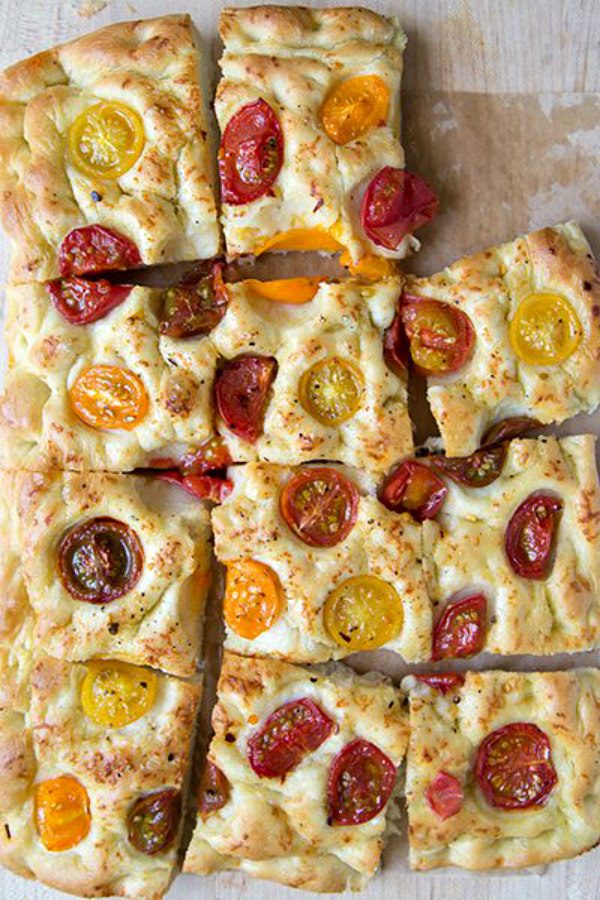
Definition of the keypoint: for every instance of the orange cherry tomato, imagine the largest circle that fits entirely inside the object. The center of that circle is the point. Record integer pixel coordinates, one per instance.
(109, 397)
(354, 107)
(253, 598)
(62, 813)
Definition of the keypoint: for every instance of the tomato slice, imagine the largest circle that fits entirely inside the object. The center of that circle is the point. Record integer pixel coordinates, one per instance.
(396, 350)
(514, 767)
(354, 107)
(331, 391)
(114, 694)
(288, 735)
(396, 203)
(251, 153)
(195, 308)
(531, 534)
(441, 336)
(253, 598)
(361, 780)
(95, 248)
(241, 394)
(320, 506)
(82, 302)
(202, 487)
(414, 488)
(61, 813)
(545, 330)
(213, 792)
(363, 613)
(109, 397)
(444, 682)
(445, 796)
(209, 457)
(100, 560)
(153, 821)
(509, 429)
(461, 629)
(106, 139)
(477, 470)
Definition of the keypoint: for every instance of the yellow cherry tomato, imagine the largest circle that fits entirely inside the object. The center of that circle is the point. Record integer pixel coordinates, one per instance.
(109, 397)
(61, 812)
(114, 693)
(363, 613)
(353, 107)
(106, 139)
(331, 390)
(317, 239)
(253, 598)
(286, 290)
(545, 329)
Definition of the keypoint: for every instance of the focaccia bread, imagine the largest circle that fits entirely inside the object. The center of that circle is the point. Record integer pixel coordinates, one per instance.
(317, 568)
(329, 146)
(504, 770)
(533, 307)
(468, 549)
(113, 566)
(160, 388)
(77, 770)
(108, 130)
(289, 826)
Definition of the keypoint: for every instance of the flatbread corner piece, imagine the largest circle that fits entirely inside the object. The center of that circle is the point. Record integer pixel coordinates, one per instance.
(503, 770)
(107, 130)
(534, 306)
(285, 826)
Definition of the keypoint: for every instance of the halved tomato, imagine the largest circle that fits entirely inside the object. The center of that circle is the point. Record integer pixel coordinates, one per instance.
(114, 694)
(202, 487)
(396, 203)
(545, 330)
(477, 470)
(82, 302)
(209, 457)
(331, 390)
(445, 796)
(414, 488)
(461, 629)
(396, 350)
(320, 506)
(514, 767)
(251, 153)
(153, 821)
(444, 682)
(95, 248)
(363, 613)
(360, 782)
(213, 792)
(194, 308)
(109, 397)
(354, 107)
(106, 139)
(253, 598)
(509, 429)
(241, 394)
(288, 735)
(530, 535)
(441, 336)
(61, 813)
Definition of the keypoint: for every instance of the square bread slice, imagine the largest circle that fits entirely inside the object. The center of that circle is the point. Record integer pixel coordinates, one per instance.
(120, 393)
(92, 777)
(468, 551)
(278, 814)
(317, 568)
(534, 307)
(106, 566)
(325, 85)
(503, 769)
(108, 130)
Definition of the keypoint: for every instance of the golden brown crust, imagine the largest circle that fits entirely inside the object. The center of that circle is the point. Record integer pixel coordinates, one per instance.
(165, 203)
(446, 731)
(278, 829)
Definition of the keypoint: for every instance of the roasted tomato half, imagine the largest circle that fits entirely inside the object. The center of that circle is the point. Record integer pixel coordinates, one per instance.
(415, 488)
(396, 203)
(362, 613)
(195, 308)
(213, 792)
(153, 821)
(251, 153)
(253, 599)
(445, 796)
(441, 336)
(361, 780)
(514, 767)
(477, 470)
(100, 560)
(242, 394)
(95, 248)
(109, 397)
(320, 506)
(531, 534)
(288, 735)
(82, 302)
(61, 812)
(461, 629)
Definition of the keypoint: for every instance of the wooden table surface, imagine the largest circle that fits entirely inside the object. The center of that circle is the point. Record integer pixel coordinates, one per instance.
(476, 65)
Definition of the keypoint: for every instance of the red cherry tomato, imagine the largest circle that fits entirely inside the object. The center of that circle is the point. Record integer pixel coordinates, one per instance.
(441, 336)
(530, 536)
(361, 779)
(202, 487)
(320, 506)
(514, 767)
(396, 351)
(286, 737)
(195, 307)
(477, 470)
(509, 429)
(251, 153)
(396, 203)
(82, 302)
(95, 248)
(415, 488)
(445, 796)
(444, 682)
(213, 792)
(461, 629)
(241, 393)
